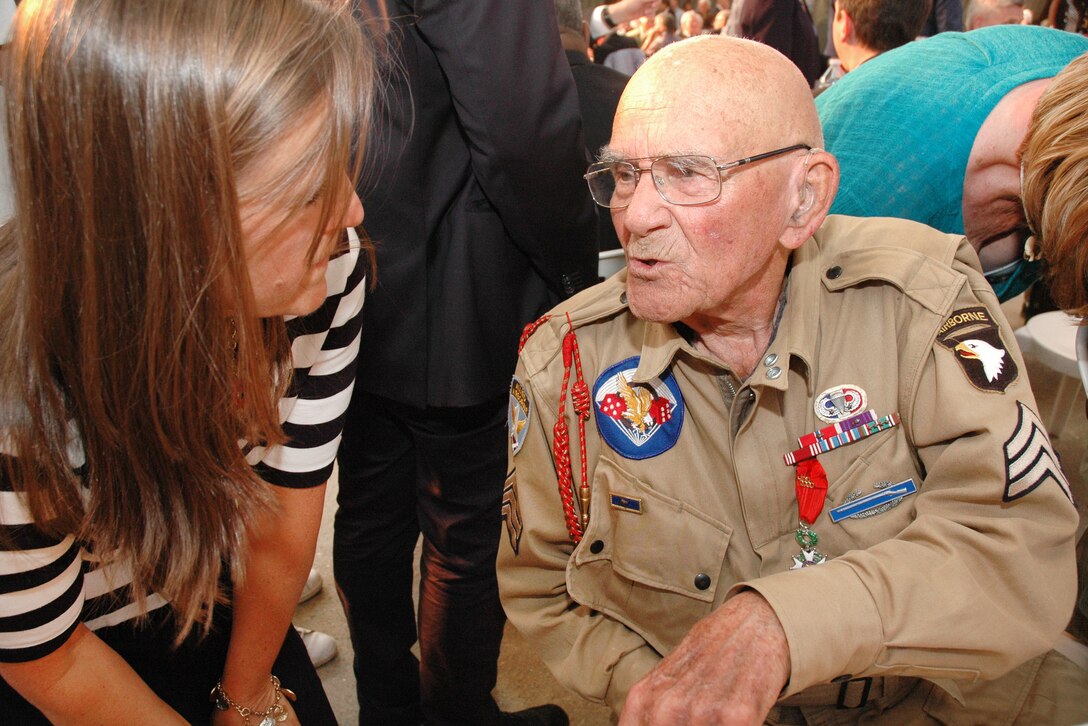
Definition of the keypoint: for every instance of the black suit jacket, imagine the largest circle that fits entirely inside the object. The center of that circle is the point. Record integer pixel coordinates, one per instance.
(475, 199)
(599, 89)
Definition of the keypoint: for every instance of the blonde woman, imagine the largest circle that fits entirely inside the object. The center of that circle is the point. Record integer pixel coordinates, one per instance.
(1054, 179)
(178, 327)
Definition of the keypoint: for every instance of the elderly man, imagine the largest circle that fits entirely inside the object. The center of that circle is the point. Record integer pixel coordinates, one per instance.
(783, 464)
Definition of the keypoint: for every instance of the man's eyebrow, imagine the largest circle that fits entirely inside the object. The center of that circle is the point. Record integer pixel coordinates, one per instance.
(608, 154)
(611, 155)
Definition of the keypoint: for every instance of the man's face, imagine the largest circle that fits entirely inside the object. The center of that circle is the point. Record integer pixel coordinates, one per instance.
(692, 263)
(1006, 15)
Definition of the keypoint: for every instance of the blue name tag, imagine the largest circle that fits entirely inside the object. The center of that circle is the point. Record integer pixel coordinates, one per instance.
(627, 504)
(888, 495)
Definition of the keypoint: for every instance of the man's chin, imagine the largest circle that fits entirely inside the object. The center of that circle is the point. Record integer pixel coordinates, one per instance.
(651, 309)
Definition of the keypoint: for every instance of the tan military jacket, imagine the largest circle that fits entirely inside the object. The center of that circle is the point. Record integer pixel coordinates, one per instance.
(964, 579)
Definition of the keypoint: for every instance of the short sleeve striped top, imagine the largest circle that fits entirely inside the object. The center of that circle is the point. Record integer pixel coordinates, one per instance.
(49, 585)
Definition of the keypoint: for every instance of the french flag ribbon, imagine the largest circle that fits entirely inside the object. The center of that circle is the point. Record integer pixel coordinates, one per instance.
(842, 438)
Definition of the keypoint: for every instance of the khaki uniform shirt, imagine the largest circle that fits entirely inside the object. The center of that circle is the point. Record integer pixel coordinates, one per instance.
(964, 579)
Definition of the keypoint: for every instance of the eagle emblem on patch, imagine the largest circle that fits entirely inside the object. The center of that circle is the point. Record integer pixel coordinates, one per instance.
(975, 340)
(638, 420)
(1029, 458)
(517, 415)
(511, 511)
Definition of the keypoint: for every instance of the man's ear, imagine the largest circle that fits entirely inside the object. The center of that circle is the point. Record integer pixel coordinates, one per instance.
(847, 27)
(814, 191)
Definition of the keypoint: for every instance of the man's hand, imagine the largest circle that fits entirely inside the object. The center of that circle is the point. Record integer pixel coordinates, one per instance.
(728, 670)
(625, 10)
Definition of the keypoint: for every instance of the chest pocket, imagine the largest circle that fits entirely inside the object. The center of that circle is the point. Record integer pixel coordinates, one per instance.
(647, 559)
(862, 469)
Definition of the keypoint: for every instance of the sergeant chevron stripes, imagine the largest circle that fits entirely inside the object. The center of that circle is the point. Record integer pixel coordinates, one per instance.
(511, 511)
(1029, 459)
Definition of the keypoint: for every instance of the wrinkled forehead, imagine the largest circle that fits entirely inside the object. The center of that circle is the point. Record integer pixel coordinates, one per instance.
(689, 104)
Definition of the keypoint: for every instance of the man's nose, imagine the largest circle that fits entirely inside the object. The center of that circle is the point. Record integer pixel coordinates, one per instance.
(646, 209)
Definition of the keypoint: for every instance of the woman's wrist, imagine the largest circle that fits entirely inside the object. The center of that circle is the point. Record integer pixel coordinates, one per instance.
(266, 706)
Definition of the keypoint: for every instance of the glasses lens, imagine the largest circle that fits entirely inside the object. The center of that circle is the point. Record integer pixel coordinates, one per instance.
(612, 183)
(687, 179)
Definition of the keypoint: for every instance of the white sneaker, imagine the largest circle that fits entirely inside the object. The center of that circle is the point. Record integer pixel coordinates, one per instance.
(313, 585)
(321, 646)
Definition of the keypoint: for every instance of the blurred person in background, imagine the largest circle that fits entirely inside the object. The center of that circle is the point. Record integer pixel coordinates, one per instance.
(951, 113)
(481, 221)
(982, 13)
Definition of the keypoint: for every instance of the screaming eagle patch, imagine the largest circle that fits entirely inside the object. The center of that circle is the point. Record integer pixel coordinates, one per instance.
(638, 420)
(1029, 458)
(975, 340)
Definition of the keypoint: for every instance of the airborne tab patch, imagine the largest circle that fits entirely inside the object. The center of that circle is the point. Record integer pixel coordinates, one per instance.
(638, 420)
(975, 340)
(1029, 458)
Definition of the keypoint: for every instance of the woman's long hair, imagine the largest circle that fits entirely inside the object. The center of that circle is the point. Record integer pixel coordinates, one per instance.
(126, 309)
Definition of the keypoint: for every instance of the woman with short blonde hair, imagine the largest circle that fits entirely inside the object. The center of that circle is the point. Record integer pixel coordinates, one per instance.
(1054, 176)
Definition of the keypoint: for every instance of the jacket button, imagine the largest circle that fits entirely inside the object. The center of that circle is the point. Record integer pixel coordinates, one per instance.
(774, 372)
(596, 546)
(623, 298)
(842, 678)
(702, 581)
(833, 273)
(770, 360)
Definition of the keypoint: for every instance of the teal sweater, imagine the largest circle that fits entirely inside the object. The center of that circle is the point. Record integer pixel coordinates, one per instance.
(902, 124)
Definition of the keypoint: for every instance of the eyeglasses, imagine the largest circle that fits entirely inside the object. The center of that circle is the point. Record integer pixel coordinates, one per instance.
(684, 180)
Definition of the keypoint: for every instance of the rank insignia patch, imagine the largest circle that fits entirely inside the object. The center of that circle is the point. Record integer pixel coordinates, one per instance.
(625, 503)
(1029, 458)
(517, 418)
(975, 340)
(638, 420)
(839, 403)
(511, 512)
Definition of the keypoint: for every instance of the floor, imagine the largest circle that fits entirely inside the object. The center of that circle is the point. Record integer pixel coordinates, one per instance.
(523, 679)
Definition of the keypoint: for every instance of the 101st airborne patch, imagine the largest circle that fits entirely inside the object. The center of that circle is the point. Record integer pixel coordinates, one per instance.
(975, 340)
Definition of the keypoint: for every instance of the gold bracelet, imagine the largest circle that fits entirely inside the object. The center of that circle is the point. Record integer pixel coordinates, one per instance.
(268, 717)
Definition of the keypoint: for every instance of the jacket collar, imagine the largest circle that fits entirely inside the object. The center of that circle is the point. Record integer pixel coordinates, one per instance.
(794, 341)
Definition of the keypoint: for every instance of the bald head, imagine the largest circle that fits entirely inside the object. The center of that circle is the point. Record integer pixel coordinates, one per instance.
(743, 92)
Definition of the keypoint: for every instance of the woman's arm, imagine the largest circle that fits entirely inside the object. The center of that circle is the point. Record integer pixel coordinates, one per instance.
(86, 682)
(280, 557)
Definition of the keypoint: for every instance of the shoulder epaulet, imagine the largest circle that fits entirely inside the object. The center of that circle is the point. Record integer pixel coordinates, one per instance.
(594, 303)
(919, 260)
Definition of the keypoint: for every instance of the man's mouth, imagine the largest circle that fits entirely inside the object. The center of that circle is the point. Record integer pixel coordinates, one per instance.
(640, 264)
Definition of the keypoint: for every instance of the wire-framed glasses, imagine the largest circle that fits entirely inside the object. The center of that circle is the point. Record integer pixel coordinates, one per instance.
(683, 179)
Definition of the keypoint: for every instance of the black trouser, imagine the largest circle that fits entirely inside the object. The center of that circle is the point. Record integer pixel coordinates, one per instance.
(184, 677)
(438, 471)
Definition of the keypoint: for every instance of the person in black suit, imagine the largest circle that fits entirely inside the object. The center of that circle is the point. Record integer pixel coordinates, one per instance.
(599, 90)
(482, 222)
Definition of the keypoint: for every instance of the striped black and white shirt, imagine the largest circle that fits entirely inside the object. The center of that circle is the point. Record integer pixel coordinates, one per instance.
(48, 586)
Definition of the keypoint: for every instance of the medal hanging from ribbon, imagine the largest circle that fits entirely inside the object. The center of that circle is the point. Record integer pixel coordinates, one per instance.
(811, 488)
